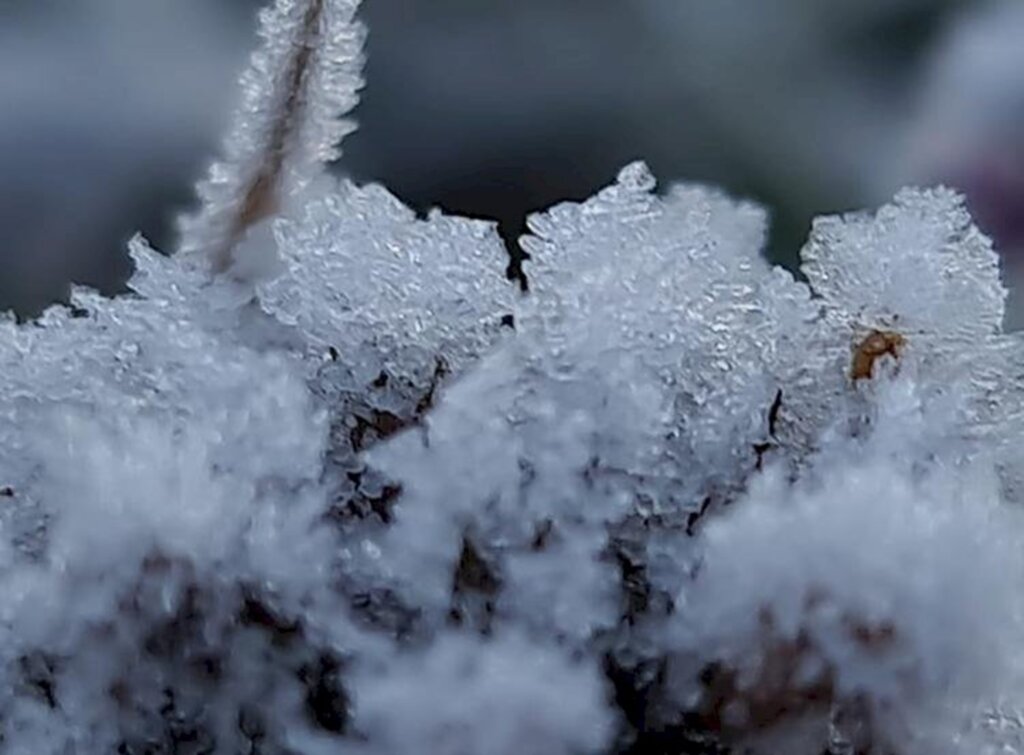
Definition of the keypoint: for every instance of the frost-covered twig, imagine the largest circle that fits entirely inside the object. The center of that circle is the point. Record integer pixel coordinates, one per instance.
(299, 85)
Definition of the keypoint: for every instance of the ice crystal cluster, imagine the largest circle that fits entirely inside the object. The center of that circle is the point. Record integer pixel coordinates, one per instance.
(326, 482)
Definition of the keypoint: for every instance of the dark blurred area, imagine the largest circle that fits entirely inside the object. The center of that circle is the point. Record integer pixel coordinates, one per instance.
(109, 109)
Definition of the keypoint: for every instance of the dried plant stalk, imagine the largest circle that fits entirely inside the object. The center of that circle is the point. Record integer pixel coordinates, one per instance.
(299, 85)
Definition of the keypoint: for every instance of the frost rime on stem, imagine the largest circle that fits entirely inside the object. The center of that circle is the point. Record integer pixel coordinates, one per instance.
(298, 87)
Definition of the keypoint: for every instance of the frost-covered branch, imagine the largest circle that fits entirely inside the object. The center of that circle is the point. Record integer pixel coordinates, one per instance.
(299, 85)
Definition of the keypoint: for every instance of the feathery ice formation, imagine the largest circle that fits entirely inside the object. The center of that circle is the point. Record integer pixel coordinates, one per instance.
(371, 499)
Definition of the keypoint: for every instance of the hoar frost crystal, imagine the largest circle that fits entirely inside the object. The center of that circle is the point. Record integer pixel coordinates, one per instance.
(326, 482)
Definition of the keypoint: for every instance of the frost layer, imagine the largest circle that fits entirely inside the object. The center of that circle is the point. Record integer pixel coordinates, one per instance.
(367, 498)
(772, 514)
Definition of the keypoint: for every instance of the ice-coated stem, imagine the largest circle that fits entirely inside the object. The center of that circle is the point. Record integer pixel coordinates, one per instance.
(298, 87)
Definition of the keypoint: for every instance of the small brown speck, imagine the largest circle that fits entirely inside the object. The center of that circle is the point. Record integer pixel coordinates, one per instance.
(875, 345)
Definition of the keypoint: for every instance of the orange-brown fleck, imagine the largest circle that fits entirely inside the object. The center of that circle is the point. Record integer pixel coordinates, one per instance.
(877, 344)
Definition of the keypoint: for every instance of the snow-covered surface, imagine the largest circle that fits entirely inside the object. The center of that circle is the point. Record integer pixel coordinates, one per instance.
(377, 500)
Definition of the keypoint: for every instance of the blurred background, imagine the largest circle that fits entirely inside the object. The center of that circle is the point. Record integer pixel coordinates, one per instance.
(110, 109)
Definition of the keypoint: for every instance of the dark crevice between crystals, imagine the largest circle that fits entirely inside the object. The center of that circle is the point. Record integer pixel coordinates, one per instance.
(475, 587)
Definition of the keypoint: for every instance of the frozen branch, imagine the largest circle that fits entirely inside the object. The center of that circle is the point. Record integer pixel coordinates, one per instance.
(299, 86)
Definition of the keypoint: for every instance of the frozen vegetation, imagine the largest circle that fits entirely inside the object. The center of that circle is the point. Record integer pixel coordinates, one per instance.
(327, 482)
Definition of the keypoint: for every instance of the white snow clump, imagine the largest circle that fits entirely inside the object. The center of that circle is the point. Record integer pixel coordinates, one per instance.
(367, 497)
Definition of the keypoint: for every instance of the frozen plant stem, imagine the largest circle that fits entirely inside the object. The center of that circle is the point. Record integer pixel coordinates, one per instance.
(260, 199)
(299, 85)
